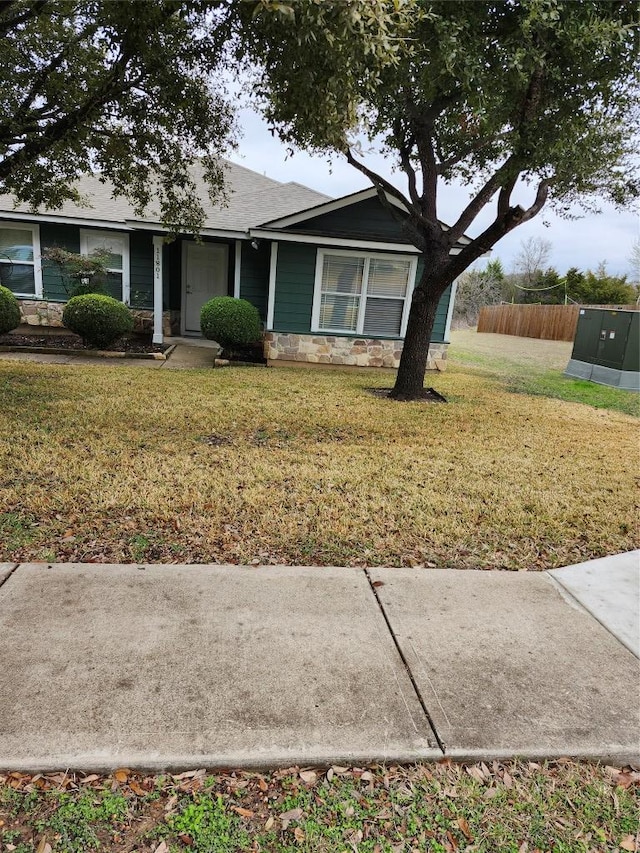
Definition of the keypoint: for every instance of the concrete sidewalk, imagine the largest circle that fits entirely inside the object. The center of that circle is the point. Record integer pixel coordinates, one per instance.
(175, 667)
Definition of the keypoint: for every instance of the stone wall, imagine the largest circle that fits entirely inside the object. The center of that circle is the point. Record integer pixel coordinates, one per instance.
(332, 349)
(38, 312)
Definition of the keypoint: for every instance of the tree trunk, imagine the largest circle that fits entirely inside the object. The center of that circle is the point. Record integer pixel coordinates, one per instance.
(413, 361)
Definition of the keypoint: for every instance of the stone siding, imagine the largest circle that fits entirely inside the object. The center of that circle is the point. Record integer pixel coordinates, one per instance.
(39, 312)
(332, 349)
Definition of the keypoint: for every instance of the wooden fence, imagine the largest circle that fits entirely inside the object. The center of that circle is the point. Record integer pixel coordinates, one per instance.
(549, 322)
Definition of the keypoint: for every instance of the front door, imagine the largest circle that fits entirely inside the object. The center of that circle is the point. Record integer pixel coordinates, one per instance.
(205, 269)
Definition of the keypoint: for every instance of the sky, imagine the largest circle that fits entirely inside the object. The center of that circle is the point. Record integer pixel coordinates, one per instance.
(582, 243)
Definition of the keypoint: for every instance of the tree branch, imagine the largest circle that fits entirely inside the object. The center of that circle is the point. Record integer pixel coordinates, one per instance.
(31, 12)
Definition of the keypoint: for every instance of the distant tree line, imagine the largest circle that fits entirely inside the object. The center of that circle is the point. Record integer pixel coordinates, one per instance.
(533, 281)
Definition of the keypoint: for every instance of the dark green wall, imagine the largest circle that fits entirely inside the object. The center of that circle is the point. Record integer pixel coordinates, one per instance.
(295, 281)
(141, 269)
(64, 237)
(365, 219)
(295, 277)
(254, 275)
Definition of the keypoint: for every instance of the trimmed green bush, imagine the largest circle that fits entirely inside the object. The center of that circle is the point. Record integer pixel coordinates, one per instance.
(98, 319)
(9, 311)
(230, 322)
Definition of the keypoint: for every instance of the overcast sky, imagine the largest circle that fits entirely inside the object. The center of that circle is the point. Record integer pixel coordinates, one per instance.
(582, 243)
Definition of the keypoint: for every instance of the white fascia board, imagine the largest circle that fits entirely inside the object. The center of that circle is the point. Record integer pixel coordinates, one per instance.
(343, 242)
(271, 299)
(204, 232)
(319, 240)
(107, 224)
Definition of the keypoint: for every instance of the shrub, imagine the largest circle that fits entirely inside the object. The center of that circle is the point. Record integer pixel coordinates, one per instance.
(9, 311)
(98, 319)
(230, 322)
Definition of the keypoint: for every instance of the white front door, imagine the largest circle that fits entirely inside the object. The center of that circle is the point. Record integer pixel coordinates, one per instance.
(205, 268)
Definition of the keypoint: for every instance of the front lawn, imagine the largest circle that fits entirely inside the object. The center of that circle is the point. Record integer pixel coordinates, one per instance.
(305, 466)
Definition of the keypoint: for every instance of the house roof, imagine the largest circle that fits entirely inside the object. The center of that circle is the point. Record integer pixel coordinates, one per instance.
(252, 199)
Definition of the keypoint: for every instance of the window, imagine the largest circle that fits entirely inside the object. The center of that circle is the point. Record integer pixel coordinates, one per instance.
(117, 245)
(362, 294)
(20, 259)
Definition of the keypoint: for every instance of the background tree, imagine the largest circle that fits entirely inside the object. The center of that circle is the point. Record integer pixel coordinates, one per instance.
(121, 88)
(477, 288)
(536, 94)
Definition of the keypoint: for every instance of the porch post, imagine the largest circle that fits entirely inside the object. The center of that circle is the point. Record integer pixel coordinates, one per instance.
(157, 290)
(271, 301)
(452, 299)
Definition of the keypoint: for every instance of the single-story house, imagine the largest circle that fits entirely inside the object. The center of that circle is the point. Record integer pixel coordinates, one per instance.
(331, 278)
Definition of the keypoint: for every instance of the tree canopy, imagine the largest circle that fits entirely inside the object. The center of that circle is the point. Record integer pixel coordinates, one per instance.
(528, 102)
(128, 90)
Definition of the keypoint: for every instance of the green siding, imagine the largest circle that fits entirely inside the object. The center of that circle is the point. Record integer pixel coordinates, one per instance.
(254, 275)
(64, 237)
(363, 220)
(295, 281)
(437, 336)
(141, 269)
(294, 288)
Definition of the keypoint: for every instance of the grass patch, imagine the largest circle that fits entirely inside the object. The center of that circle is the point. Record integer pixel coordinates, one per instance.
(564, 807)
(531, 366)
(302, 466)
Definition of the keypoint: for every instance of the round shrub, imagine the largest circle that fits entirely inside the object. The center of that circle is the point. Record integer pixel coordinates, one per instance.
(98, 319)
(230, 322)
(9, 311)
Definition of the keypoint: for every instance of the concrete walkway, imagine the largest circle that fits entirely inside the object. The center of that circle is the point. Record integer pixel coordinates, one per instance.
(193, 355)
(174, 667)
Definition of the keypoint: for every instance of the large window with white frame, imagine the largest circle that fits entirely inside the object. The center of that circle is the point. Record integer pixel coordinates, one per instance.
(117, 247)
(362, 294)
(20, 269)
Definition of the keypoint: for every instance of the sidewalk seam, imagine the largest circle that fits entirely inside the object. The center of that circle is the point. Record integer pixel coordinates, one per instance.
(11, 571)
(405, 663)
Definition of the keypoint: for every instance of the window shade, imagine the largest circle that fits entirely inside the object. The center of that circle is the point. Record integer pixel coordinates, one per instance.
(342, 274)
(383, 317)
(388, 277)
(339, 312)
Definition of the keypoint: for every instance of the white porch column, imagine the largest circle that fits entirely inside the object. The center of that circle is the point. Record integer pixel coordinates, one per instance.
(157, 290)
(271, 302)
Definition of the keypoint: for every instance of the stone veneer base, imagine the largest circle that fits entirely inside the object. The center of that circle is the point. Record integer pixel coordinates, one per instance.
(336, 350)
(40, 313)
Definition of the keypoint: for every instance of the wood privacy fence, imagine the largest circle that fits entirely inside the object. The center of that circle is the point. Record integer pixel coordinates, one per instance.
(549, 322)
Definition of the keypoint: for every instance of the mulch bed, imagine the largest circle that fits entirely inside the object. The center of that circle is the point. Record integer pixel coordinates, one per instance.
(429, 395)
(74, 343)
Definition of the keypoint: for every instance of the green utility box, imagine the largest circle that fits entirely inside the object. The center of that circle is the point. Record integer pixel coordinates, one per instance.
(606, 348)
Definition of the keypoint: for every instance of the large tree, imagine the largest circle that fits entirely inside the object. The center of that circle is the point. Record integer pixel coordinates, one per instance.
(129, 90)
(528, 102)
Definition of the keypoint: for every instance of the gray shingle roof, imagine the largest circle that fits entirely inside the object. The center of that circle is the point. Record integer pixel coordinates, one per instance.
(252, 199)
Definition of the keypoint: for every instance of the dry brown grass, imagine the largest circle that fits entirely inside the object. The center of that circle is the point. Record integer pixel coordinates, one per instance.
(305, 467)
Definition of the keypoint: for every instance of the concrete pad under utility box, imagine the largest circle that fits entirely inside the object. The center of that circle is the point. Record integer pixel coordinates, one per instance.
(199, 666)
(609, 588)
(506, 666)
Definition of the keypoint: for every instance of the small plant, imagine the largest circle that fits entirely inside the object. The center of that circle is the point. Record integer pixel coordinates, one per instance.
(230, 322)
(80, 274)
(98, 319)
(9, 311)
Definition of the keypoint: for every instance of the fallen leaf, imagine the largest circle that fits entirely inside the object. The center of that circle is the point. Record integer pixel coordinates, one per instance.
(122, 774)
(508, 781)
(308, 776)
(161, 848)
(44, 846)
(137, 789)
(627, 843)
(186, 839)
(262, 784)
(91, 778)
(524, 847)
(329, 774)
(298, 833)
(287, 817)
(377, 583)
(367, 776)
(242, 812)
(171, 802)
(463, 823)
(269, 824)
